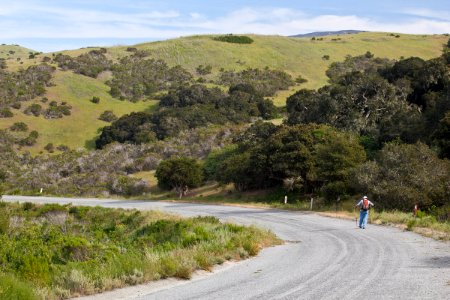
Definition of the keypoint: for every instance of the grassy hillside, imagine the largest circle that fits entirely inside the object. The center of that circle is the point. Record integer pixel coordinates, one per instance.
(80, 128)
(14, 51)
(297, 56)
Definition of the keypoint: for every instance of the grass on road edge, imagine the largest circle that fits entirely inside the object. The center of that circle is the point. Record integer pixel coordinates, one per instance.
(55, 252)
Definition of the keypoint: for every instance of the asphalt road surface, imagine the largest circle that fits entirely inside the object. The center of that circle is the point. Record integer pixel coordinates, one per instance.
(323, 258)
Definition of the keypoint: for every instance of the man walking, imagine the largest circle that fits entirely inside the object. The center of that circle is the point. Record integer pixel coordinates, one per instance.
(364, 206)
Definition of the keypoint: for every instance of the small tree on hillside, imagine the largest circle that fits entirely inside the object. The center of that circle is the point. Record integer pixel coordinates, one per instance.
(179, 174)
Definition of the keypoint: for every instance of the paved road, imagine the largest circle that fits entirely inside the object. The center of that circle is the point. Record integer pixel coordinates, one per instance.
(325, 258)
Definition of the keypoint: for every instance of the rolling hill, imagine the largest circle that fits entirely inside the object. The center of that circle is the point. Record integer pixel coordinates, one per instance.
(14, 51)
(297, 56)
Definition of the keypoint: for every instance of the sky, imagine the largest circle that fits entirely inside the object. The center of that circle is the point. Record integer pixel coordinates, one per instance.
(65, 24)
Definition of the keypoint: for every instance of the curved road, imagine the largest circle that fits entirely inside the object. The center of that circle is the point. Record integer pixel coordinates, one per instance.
(323, 258)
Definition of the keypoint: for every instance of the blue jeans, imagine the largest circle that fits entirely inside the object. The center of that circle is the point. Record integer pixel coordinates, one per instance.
(363, 216)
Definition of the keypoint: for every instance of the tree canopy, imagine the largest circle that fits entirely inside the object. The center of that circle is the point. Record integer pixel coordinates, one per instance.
(179, 174)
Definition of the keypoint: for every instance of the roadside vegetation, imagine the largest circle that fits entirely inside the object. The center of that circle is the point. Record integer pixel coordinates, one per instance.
(57, 252)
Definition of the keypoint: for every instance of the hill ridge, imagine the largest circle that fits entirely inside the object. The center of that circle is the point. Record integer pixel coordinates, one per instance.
(327, 33)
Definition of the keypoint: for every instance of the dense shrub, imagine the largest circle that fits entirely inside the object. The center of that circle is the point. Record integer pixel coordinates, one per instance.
(19, 126)
(235, 39)
(34, 109)
(108, 116)
(192, 95)
(90, 64)
(63, 148)
(135, 78)
(300, 79)
(95, 100)
(30, 140)
(16, 105)
(203, 70)
(267, 82)
(25, 84)
(6, 113)
(127, 186)
(55, 111)
(50, 148)
(129, 128)
(3, 64)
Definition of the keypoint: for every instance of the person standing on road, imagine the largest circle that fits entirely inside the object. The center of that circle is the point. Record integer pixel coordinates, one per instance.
(364, 206)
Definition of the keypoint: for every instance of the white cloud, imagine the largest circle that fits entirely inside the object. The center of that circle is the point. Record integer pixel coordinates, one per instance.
(57, 22)
(428, 13)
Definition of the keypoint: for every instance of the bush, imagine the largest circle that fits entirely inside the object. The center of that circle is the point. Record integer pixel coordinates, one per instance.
(203, 70)
(108, 116)
(34, 109)
(128, 186)
(95, 100)
(24, 85)
(19, 126)
(128, 128)
(6, 113)
(16, 105)
(49, 147)
(55, 111)
(63, 148)
(89, 64)
(30, 140)
(235, 39)
(135, 77)
(267, 82)
(300, 79)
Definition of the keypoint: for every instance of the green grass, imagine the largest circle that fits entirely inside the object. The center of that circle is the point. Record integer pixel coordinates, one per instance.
(57, 252)
(80, 128)
(19, 52)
